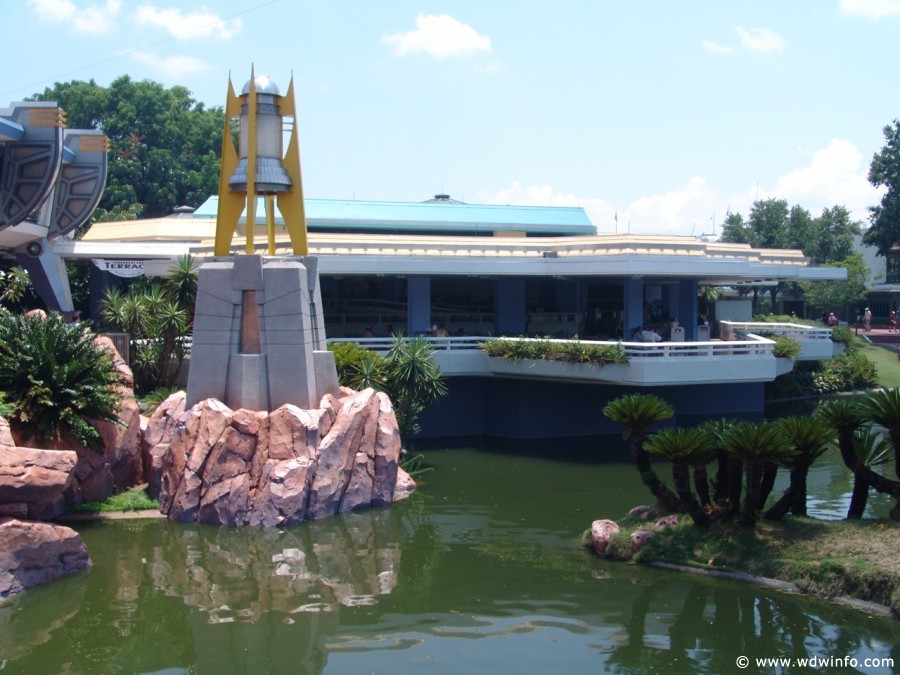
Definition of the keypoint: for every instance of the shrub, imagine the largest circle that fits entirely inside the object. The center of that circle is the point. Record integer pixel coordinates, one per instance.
(156, 317)
(787, 348)
(134, 499)
(408, 374)
(542, 349)
(842, 335)
(56, 376)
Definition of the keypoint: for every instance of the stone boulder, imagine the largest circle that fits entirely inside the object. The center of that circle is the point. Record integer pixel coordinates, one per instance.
(156, 432)
(35, 553)
(243, 467)
(31, 480)
(639, 539)
(602, 531)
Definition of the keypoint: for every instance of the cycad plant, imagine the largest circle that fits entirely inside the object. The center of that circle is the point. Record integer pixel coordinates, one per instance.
(883, 407)
(638, 412)
(811, 437)
(55, 377)
(412, 380)
(754, 445)
(727, 484)
(408, 374)
(847, 416)
(684, 448)
(872, 449)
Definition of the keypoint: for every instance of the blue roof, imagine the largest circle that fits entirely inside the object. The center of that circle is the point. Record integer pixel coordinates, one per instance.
(430, 217)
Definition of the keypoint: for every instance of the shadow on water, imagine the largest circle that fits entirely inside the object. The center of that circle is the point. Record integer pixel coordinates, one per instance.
(590, 450)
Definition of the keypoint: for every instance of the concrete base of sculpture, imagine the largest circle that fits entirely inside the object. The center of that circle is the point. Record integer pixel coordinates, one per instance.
(259, 335)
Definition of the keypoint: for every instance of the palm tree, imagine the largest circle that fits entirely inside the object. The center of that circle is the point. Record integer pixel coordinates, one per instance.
(684, 448)
(754, 445)
(871, 449)
(811, 437)
(883, 407)
(413, 380)
(637, 412)
(727, 485)
(181, 284)
(846, 417)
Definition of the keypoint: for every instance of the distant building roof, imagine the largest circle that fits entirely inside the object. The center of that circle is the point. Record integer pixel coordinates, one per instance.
(436, 216)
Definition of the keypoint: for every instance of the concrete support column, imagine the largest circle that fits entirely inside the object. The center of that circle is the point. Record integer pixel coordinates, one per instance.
(510, 314)
(48, 275)
(673, 300)
(687, 308)
(418, 301)
(633, 303)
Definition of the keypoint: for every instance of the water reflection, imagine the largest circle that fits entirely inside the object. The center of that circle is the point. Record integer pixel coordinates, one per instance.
(235, 575)
(480, 571)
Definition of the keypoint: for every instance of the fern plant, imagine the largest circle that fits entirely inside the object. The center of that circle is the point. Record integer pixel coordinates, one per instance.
(55, 377)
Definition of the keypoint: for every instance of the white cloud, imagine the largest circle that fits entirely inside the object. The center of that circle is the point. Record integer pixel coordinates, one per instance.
(716, 48)
(601, 213)
(188, 25)
(760, 40)
(173, 67)
(492, 68)
(687, 210)
(441, 36)
(873, 9)
(92, 19)
(835, 175)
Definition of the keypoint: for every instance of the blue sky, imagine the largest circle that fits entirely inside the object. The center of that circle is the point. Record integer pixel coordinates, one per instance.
(655, 116)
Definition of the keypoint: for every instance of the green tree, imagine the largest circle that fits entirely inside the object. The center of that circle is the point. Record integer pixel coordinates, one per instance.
(811, 437)
(157, 317)
(408, 374)
(883, 408)
(847, 417)
(871, 449)
(164, 146)
(684, 448)
(831, 236)
(836, 295)
(735, 230)
(638, 412)
(413, 380)
(56, 377)
(884, 172)
(756, 445)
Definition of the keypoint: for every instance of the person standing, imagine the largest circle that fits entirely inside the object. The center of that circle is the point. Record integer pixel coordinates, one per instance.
(892, 321)
(867, 320)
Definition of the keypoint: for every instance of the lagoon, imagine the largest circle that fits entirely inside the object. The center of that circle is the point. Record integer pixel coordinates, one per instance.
(480, 571)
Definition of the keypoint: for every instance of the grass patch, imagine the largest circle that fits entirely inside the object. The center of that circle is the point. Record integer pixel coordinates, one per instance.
(885, 360)
(133, 499)
(824, 558)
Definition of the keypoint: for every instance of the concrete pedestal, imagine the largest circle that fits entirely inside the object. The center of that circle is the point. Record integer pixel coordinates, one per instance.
(283, 331)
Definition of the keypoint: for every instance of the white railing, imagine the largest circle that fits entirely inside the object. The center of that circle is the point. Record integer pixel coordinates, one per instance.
(753, 345)
(795, 331)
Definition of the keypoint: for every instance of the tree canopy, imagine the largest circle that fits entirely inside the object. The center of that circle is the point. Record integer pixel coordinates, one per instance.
(885, 172)
(164, 145)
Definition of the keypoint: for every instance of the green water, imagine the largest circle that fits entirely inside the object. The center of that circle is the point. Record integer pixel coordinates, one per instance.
(480, 572)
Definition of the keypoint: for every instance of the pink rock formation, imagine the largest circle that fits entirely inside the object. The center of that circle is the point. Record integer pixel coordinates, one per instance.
(35, 553)
(215, 465)
(30, 480)
(602, 531)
